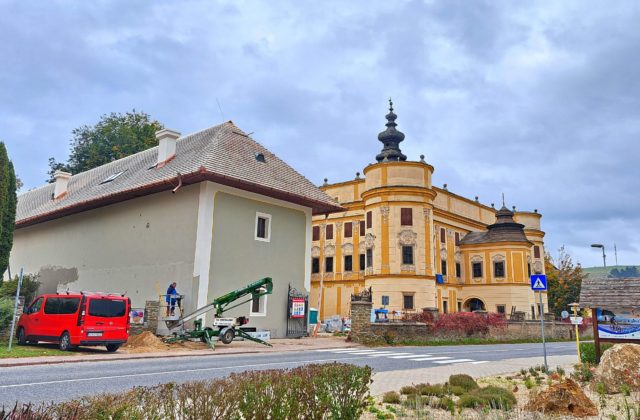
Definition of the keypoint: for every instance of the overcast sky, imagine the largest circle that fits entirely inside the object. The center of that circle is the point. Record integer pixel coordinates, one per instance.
(539, 101)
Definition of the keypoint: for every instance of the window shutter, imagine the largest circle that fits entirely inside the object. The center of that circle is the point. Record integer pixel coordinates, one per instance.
(329, 232)
(406, 216)
(362, 228)
(536, 251)
(457, 238)
(443, 235)
(348, 230)
(316, 233)
(369, 220)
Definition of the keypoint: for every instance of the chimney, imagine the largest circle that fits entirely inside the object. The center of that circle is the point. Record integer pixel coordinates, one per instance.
(61, 181)
(166, 145)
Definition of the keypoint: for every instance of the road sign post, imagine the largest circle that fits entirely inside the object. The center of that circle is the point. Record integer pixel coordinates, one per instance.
(576, 320)
(538, 284)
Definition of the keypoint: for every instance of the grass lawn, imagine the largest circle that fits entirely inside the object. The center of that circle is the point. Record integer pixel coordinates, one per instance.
(30, 351)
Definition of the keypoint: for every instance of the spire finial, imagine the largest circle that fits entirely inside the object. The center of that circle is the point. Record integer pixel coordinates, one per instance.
(503, 205)
(390, 105)
(391, 138)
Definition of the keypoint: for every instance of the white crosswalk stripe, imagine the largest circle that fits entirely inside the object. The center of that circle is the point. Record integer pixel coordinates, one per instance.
(442, 360)
(454, 361)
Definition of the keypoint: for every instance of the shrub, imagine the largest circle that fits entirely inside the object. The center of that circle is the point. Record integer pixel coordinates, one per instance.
(496, 397)
(470, 401)
(446, 403)
(6, 313)
(408, 390)
(29, 288)
(582, 372)
(457, 390)
(528, 382)
(311, 392)
(432, 390)
(588, 352)
(463, 381)
(415, 401)
(391, 397)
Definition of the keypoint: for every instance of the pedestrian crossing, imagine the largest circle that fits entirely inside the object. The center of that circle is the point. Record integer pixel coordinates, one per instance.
(439, 360)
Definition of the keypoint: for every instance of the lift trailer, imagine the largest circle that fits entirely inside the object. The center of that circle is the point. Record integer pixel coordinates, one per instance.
(225, 329)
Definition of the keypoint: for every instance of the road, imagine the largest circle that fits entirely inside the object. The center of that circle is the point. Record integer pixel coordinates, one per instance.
(60, 382)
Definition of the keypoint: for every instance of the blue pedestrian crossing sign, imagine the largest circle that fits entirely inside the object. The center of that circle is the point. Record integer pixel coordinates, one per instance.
(538, 282)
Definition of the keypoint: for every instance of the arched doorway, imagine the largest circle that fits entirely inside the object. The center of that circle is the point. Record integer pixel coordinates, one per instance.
(473, 304)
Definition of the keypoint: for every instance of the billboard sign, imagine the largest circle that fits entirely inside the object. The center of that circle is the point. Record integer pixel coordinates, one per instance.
(619, 324)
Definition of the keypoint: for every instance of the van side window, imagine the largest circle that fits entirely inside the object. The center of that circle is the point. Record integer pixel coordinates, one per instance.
(107, 308)
(35, 307)
(61, 306)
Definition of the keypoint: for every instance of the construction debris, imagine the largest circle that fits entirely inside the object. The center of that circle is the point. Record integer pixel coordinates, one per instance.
(564, 398)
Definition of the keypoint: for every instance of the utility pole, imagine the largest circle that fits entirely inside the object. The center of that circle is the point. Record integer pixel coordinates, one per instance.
(615, 251)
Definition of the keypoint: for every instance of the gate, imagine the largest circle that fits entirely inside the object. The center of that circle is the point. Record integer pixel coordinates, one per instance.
(297, 313)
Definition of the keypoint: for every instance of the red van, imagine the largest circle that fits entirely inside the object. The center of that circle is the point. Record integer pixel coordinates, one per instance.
(76, 319)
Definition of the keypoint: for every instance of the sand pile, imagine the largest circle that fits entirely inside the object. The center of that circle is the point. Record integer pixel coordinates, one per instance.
(145, 342)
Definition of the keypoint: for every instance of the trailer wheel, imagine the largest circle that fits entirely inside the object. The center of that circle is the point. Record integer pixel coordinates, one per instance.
(227, 335)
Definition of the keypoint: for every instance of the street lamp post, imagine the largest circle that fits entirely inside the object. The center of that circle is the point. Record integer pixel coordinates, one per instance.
(604, 256)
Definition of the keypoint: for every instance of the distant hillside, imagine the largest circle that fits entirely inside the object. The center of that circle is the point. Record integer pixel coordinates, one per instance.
(605, 272)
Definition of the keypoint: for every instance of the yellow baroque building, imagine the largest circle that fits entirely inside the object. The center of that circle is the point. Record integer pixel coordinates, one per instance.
(418, 246)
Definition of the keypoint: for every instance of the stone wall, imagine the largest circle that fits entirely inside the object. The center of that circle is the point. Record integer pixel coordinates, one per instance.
(364, 331)
(151, 309)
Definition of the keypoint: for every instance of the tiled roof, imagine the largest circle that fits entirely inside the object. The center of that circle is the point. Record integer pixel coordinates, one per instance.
(504, 230)
(222, 153)
(610, 293)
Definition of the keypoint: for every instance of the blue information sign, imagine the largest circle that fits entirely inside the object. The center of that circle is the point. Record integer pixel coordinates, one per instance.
(538, 282)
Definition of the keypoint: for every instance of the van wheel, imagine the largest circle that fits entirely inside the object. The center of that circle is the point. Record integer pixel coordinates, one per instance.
(112, 347)
(227, 335)
(65, 342)
(22, 338)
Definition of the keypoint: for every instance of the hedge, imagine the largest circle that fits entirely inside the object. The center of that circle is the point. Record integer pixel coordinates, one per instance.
(318, 391)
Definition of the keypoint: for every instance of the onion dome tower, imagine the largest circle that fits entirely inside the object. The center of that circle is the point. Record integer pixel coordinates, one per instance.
(391, 139)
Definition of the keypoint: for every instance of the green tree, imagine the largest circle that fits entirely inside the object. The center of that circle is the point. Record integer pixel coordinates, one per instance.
(115, 136)
(8, 201)
(564, 279)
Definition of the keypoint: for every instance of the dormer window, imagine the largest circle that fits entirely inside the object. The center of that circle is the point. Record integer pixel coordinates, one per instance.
(112, 177)
(260, 157)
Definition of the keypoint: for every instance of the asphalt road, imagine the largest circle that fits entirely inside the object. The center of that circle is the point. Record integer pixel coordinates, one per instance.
(60, 382)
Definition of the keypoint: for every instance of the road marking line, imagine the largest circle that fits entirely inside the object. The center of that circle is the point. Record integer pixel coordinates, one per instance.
(409, 355)
(454, 361)
(423, 359)
(391, 354)
(351, 351)
(169, 372)
(479, 362)
(363, 352)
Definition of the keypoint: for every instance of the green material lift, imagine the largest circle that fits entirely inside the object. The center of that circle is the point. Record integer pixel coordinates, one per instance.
(226, 329)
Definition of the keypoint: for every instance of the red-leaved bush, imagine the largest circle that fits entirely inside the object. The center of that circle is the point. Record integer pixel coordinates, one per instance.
(469, 323)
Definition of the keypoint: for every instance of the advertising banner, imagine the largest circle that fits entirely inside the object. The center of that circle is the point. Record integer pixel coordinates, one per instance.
(136, 315)
(619, 324)
(297, 308)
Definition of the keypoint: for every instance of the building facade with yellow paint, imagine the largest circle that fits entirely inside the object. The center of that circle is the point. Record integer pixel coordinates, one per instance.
(418, 246)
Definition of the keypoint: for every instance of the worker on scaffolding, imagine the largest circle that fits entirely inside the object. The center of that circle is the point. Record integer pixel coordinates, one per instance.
(172, 297)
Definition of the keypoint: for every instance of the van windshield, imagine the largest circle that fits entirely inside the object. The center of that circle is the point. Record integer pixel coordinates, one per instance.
(107, 308)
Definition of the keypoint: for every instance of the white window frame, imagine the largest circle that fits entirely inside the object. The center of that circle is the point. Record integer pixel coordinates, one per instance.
(263, 307)
(268, 226)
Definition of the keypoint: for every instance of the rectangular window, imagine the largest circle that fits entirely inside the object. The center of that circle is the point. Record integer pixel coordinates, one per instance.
(498, 268)
(328, 232)
(407, 255)
(328, 264)
(107, 308)
(536, 251)
(529, 269)
(348, 263)
(443, 267)
(457, 237)
(369, 220)
(362, 261)
(369, 257)
(362, 228)
(540, 310)
(459, 306)
(458, 270)
(533, 312)
(316, 233)
(407, 301)
(445, 306)
(443, 235)
(315, 265)
(406, 216)
(258, 306)
(348, 230)
(501, 309)
(477, 269)
(61, 306)
(263, 227)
